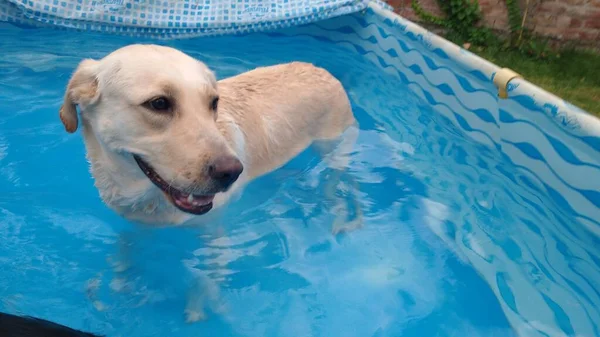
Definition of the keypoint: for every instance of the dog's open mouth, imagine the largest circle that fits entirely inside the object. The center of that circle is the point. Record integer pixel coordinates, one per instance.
(189, 203)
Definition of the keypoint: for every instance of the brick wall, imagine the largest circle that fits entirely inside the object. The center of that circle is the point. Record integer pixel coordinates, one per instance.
(575, 20)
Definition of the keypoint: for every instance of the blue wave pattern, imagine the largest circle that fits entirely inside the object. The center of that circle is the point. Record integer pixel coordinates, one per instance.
(550, 149)
(487, 112)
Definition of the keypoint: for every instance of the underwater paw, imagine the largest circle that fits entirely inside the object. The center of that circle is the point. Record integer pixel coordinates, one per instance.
(341, 224)
(193, 316)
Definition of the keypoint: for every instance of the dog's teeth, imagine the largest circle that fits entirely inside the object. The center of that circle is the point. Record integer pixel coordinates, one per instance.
(190, 198)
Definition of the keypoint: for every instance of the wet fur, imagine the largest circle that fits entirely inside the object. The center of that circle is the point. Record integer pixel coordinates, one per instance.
(266, 116)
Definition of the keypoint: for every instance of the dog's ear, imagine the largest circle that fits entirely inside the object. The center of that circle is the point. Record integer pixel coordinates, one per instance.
(82, 90)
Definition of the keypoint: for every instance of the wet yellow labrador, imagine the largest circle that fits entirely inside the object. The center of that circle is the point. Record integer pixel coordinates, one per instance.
(167, 142)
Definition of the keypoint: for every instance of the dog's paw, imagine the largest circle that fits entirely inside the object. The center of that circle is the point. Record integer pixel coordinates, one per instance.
(119, 285)
(341, 224)
(193, 316)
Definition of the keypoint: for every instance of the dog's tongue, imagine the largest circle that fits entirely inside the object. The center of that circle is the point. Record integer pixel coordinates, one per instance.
(192, 201)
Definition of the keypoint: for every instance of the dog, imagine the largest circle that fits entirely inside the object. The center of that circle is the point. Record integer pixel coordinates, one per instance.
(168, 143)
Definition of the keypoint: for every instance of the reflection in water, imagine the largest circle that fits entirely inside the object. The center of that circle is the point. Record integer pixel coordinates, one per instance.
(454, 239)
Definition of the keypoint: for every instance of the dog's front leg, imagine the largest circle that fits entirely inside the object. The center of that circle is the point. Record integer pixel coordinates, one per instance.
(336, 155)
(194, 309)
(204, 292)
(121, 262)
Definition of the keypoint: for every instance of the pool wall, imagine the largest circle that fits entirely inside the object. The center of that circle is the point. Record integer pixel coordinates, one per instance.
(552, 139)
(553, 143)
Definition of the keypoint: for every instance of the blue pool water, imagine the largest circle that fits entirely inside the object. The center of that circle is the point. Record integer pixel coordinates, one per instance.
(433, 201)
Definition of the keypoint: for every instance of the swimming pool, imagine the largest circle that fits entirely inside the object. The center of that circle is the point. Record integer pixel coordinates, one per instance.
(480, 215)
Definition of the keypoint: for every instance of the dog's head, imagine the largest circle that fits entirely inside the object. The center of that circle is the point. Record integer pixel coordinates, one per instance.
(158, 107)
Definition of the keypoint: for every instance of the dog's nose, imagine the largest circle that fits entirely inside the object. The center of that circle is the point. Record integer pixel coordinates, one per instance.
(225, 171)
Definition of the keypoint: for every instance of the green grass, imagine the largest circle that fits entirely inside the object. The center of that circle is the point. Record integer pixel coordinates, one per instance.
(573, 75)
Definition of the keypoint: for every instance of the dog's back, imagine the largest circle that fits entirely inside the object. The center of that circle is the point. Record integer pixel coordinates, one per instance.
(282, 109)
(20, 326)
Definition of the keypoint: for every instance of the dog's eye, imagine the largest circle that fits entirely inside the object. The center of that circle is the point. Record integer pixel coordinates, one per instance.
(214, 104)
(160, 104)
